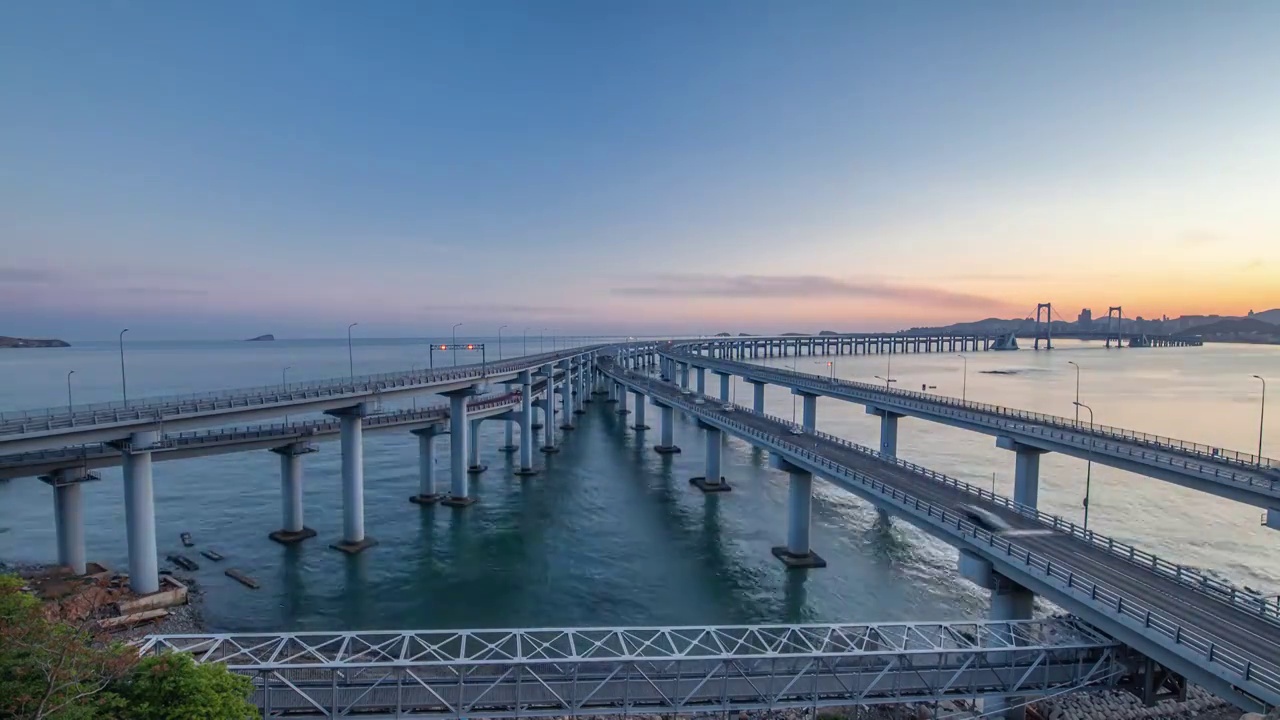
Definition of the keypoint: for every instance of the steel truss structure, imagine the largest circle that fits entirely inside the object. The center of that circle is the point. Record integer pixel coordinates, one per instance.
(622, 671)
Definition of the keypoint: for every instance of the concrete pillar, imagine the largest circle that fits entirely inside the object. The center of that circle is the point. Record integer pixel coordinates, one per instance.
(668, 445)
(1026, 477)
(459, 430)
(427, 493)
(712, 480)
(1009, 601)
(527, 439)
(701, 380)
(797, 553)
(640, 403)
(292, 528)
(68, 516)
(622, 400)
(724, 387)
(808, 411)
(140, 513)
(581, 395)
(566, 397)
(684, 376)
(509, 437)
(474, 466)
(757, 396)
(888, 430)
(549, 411)
(352, 441)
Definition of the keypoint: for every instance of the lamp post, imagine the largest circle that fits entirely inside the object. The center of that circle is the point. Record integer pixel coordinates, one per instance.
(500, 341)
(284, 376)
(351, 358)
(964, 383)
(1077, 402)
(1262, 416)
(886, 381)
(69, 374)
(1088, 473)
(124, 385)
(455, 343)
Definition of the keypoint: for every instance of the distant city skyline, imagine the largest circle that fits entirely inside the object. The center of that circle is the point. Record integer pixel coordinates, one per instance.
(231, 169)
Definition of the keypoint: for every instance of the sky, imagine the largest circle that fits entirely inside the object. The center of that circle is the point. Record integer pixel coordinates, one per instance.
(209, 170)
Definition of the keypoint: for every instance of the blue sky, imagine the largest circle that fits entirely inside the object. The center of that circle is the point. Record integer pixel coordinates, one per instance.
(219, 169)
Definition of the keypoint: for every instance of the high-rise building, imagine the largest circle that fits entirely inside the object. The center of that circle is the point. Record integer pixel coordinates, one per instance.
(1085, 320)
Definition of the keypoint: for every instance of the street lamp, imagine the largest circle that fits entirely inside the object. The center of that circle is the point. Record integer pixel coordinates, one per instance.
(886, 381)
(124, 385)
(1262, 415)
(69, 374)
(1077, 402)
(455, 343)
(284, 376)
(351, 362)
(1088, 473)
(964, 384)
(500, 341)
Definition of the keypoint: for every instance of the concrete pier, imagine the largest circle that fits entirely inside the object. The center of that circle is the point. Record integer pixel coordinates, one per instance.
(352, 441)
(668, 445)
(1026, 477)
(474, 465)
(757, 396)
(724, 386)
(808, 410)
(68, 516)
(1009, 601)
(622, 400)
(427, 492)
(527, 440)
(459, 442)
(888, 430)
(292, 530)
(797, 553)
(711, 480)
(509, 437)
(580, 394)
(566, 397)
(701, 376)
(549, 410)
(140, 513)
(640, 403)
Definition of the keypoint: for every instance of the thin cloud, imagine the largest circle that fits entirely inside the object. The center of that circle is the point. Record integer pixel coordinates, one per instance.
(503, 308)
(17, 275)
(800, 287)
(159, 291)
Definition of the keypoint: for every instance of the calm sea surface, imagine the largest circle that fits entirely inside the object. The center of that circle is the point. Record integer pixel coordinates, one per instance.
(610, 532)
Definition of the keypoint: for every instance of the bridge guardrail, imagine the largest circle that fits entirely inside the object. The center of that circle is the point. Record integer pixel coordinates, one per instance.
(942, 405)
(1078, 584)
(21, 421)
(1184, 575)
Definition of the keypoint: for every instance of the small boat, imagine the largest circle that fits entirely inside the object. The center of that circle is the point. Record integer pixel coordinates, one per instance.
(216, 557)
(242, 578)
(183, 562)
(186, 539)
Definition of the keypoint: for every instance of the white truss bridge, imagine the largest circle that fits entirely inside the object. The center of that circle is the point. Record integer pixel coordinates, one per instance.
(660, 670)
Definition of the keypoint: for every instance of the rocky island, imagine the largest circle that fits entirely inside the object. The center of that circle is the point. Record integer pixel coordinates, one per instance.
(262, 338)
(15, 342)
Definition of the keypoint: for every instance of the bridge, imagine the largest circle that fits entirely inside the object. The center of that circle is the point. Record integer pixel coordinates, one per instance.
(1235, 475)
(628, 671)
(1186, 626)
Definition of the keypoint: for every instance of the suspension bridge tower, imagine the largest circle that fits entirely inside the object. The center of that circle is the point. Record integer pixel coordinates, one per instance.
(1115, 325)
(1045, 331)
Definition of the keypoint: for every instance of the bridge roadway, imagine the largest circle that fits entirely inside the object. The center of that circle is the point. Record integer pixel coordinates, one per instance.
(1229, 648)
(1227, 473)
(637, 671)
(203, 443)
(32, 430)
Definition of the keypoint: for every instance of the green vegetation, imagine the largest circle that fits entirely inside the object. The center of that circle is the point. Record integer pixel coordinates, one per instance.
(56, 664)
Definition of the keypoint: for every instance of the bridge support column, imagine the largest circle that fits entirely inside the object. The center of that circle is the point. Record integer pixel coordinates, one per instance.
(808, 410)
(474, 466)
(757, 396)
(1026, 476)
(684, 376)
(701, 375)
(640, 403)
(459, 429)
(888, 430)
(580, 394)
(140, 513)
(797, 553)
(622, 400)
(527, 440)
(1009, 601)
(549, 411)
(352, 441)
(668, 445)
(292, 529)
(566, 397)
(427, 494)
(509, 444)
(1272, 518)
(712, 480)
(724, 386)
(68, 515)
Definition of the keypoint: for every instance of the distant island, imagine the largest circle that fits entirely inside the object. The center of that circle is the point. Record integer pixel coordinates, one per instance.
(13, 342)
(262, 338)
(1255, 327)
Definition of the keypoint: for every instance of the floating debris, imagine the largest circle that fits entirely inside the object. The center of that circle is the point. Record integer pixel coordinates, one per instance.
(183, 562)
(186, 540)
(242, 578)
(216, 557)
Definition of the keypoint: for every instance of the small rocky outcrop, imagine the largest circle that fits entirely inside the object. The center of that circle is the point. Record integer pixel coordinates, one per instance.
(16, 342)
(262, 338)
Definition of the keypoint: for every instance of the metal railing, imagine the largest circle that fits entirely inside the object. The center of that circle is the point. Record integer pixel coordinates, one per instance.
(1081, 586)
(157, 408)
(938, 404)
